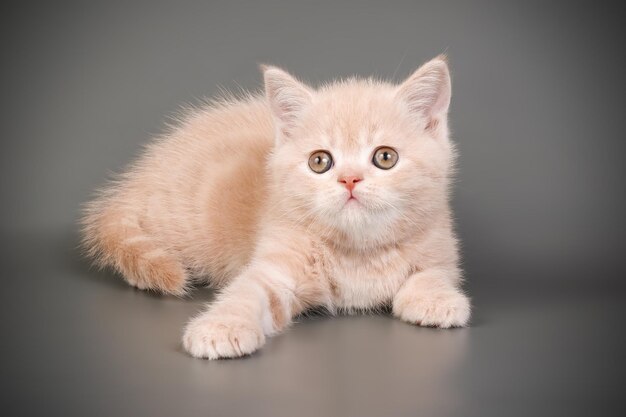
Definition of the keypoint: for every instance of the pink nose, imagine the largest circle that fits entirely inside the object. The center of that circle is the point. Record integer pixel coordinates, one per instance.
(350, 181)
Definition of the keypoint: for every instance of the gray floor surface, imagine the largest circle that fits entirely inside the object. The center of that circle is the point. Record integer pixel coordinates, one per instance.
(80, 342)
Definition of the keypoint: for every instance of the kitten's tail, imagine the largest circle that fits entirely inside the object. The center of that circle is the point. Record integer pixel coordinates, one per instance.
(112, 236)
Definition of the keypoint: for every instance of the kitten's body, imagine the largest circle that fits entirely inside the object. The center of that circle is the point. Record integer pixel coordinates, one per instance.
(196, 194)
(227, 197)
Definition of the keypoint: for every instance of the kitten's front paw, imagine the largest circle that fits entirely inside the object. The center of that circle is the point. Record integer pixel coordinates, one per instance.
(214, 336)
(439, 309)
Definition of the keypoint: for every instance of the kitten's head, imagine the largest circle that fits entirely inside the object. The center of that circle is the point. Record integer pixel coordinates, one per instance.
(363, 161)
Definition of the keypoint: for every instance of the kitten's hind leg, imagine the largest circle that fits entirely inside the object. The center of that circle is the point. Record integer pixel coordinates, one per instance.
(118, 241)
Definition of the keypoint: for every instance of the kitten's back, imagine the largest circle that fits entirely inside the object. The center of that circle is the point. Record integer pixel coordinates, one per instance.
(190, 203)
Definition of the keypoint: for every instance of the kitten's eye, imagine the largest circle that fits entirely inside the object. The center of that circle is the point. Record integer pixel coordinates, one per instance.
(320, 161)
(385, 157)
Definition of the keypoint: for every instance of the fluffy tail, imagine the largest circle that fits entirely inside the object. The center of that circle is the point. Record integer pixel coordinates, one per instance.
(112, 236)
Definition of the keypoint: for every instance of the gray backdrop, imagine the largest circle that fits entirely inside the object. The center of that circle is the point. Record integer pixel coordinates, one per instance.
(537, 111)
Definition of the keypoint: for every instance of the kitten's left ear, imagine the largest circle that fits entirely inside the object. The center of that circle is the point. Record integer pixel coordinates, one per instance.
(287, 97)
(427, 92)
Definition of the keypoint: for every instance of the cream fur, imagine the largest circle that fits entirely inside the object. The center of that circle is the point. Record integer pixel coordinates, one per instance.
(227, 197)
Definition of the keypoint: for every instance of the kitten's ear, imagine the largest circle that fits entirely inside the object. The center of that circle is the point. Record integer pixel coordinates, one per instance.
(427, 92)
(287, 97)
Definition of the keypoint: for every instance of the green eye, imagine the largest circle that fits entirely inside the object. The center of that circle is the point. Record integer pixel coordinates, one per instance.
(320, 162)
(385, 157)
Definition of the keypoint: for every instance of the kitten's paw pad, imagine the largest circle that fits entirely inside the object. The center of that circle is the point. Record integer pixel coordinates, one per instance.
(217, 337)
(446, 309)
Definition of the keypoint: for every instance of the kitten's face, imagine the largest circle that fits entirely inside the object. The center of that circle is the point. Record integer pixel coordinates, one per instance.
(357, 162)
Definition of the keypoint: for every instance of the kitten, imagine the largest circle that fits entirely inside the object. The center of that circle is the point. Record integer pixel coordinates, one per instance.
(335, 197)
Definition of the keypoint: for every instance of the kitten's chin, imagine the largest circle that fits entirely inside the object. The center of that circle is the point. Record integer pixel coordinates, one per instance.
(360, 227)
(352, 203)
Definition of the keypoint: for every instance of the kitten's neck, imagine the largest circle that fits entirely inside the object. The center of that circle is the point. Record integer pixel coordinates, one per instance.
(349, 246)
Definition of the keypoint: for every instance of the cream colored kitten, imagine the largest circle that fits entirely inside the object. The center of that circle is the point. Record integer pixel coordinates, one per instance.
(335, 197)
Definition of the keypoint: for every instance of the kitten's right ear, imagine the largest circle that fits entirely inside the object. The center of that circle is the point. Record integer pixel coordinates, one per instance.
(287, 97)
